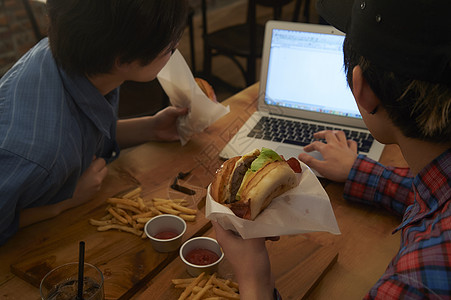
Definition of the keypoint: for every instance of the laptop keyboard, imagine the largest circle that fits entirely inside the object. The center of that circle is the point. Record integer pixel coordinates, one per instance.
(301, 133)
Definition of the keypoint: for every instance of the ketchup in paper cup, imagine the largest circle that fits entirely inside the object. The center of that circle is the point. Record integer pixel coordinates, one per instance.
(201, 257)
(201, 254)
(165, 232)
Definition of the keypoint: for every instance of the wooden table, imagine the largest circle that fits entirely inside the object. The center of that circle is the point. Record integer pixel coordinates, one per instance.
(131, 267)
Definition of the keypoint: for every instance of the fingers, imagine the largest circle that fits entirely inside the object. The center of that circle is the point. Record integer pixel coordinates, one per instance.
(177, 111)
(273, 238)
(97, 171)
(312, 162)
(225, 237)
(314, 146)
(181, 111)
(352, 145)
(98, 164)
(221, 231)
(331, 135)
(338, 154)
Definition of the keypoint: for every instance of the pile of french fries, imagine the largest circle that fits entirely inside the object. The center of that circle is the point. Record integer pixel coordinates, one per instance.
(130, 212)
(207, 287)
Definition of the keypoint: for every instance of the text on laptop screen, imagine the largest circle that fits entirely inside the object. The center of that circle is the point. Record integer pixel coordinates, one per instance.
(306, 72)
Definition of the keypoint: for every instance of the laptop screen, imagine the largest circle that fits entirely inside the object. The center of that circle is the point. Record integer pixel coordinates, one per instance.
(305, 71)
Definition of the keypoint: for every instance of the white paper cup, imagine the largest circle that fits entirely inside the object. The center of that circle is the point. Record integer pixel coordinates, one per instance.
(165, 223)
(201, 243)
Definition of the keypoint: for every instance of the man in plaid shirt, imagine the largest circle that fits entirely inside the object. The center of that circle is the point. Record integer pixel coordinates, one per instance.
(422, 267)
(397, 56)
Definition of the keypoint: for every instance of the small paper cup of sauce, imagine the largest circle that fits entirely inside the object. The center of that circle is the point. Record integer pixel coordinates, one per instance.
(165, 232)
(201, 254)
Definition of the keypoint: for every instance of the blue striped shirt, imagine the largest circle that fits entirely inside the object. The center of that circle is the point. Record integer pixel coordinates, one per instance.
(51, 126)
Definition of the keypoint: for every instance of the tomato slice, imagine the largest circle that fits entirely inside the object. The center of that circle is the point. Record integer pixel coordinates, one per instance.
(295, 165)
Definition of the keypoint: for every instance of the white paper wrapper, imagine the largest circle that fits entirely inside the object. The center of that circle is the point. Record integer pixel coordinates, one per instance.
(305, 208)
(178, 82)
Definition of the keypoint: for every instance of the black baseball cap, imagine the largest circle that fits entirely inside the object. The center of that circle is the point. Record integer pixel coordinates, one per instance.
(409, 37)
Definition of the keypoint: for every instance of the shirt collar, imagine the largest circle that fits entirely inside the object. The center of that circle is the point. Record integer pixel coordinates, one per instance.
(432, 188)
(101, 110)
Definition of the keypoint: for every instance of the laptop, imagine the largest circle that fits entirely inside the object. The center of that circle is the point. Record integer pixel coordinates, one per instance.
(303, 89)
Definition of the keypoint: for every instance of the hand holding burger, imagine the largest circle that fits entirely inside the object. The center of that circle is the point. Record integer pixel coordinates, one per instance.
(247, 184)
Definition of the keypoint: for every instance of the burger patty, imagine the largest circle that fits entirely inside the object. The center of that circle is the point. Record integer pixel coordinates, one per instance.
(237, 177)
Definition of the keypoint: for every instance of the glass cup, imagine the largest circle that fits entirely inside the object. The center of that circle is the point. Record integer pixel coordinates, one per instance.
(62, 283)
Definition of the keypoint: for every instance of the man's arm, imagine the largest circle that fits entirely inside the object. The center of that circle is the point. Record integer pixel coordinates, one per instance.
(20, 184)
(372, 183)
(422, 268)
(88, 184)
(366, 181)
(250, 262)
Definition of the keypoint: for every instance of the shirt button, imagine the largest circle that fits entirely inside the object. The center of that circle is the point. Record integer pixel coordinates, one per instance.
(113, 154)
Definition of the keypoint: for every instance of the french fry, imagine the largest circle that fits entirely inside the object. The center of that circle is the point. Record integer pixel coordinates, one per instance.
(107, 217)
(132, 211)
(181, 286)
(122, 201)
(188, 290)
(143, 220)
(130, 208)
(202, 292)
(117, 216)
(144, 215)
(210, 287)
(223, 286)
(225, 294)
(141, 203)
(120, 227)
(189, 218)
(161, 200)
(233, 284)
(197, 288)
(126, 216)
(101, 222)
(182, 281)
(167, 209)
(201, 284)
(132, 193)
(183, 209)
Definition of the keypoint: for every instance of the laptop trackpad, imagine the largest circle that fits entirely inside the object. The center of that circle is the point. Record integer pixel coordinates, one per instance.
(288, 152)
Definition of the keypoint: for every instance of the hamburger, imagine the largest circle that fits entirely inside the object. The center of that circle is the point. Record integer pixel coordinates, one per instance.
(247, 184)
(206, 88)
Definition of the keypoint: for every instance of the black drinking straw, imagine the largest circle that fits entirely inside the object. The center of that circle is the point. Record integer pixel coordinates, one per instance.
(81, 263)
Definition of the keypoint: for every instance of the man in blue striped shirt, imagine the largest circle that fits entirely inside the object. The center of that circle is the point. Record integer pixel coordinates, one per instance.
(58, 103)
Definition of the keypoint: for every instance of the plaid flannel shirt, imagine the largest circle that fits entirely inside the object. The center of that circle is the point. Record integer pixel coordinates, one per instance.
(422, 267)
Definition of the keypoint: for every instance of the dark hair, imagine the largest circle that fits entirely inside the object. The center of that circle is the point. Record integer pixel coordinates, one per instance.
(421, 109)
(86, 37)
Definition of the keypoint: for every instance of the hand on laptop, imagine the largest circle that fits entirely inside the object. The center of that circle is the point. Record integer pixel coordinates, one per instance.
(338, 154)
